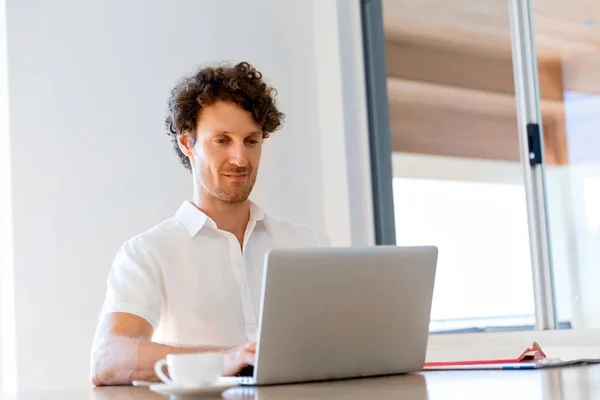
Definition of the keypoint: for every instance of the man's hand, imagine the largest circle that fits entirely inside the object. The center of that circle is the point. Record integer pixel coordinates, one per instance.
(236, 358)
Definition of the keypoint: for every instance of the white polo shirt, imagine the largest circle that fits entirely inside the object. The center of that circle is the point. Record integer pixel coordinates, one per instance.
(192, 282)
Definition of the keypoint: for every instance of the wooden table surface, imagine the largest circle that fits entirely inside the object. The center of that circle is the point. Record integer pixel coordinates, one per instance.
(577, 383)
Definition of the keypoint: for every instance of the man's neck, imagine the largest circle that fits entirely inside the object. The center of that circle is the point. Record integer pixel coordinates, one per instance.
(230, 217)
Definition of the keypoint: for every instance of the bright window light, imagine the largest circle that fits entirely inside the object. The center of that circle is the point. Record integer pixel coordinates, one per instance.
(484, 267)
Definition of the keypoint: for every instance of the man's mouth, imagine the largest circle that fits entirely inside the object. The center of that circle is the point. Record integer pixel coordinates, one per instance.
(236, 177)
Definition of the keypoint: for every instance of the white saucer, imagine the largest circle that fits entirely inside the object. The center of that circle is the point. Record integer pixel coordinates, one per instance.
(176, 390)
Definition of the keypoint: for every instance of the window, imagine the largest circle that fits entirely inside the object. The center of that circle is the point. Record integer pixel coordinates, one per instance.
(483, 279)
(461, 104)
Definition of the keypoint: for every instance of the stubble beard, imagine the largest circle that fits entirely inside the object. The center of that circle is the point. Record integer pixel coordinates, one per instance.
(228, 192)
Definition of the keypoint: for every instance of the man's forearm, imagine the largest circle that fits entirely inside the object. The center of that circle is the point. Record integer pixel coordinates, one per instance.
(119, 360)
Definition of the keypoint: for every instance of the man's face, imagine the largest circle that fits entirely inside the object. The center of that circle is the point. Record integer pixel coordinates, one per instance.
(227, 151)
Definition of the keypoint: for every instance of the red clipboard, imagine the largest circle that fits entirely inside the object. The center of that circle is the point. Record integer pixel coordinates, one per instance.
(530, 355)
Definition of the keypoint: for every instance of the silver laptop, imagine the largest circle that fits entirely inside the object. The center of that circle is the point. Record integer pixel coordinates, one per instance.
(334, 313)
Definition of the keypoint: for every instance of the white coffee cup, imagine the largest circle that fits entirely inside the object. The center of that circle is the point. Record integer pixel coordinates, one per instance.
(193, 369)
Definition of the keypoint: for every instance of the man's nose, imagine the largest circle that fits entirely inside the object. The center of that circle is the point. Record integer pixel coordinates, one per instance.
(238, 155)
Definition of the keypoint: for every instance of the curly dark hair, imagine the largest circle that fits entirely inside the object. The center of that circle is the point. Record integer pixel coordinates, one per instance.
(241, 84)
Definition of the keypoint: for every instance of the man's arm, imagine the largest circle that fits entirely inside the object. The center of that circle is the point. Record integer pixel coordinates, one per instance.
(123, 352)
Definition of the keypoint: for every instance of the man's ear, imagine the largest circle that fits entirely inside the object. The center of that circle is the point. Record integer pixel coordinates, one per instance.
(185, 142)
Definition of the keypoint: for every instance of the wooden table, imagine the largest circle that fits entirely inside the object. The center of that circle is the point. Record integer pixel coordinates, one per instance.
(577, 383)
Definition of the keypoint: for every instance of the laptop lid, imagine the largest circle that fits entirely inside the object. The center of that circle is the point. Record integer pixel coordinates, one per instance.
(333, 313)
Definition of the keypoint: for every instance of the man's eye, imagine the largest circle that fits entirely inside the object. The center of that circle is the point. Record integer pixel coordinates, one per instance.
(221, 141)
(253, 141)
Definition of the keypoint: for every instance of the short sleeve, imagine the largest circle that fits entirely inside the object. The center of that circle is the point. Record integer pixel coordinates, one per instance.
(134, 284)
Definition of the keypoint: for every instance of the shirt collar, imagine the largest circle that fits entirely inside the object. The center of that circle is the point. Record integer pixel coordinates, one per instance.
(256, 214)
(194, 220)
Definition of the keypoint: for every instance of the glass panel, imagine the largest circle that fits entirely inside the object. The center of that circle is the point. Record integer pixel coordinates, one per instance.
(458, 180)
(568, 51)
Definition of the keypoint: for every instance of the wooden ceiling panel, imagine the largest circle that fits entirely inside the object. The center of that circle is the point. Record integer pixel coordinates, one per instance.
(441, 131)
(564, 29)
(448, 67)
(582, 75)
(574, 11)
(422, 129)
(444, 66)
(435, 119)
(481, 26)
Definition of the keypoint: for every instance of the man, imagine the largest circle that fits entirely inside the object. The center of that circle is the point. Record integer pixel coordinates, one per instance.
(194, 280)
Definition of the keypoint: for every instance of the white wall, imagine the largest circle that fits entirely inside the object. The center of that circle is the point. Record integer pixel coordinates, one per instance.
(7, 317)
(91, 164)
(343, 122)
